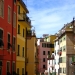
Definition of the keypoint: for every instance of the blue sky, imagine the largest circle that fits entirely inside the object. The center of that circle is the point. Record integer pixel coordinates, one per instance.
(49, 16)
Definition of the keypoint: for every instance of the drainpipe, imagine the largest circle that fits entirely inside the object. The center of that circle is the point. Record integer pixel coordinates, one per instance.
(12, 36)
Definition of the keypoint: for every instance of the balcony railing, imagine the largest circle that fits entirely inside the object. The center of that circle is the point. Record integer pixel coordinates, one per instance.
(30, 33)
(24, 17)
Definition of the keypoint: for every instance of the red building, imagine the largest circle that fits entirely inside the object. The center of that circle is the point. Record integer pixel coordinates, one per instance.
(8, 9)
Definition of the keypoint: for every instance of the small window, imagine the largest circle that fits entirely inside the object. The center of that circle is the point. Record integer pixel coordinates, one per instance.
(64, 48)
(23, 32)
(1, 34)
(9, 38)
(43, 52)
(17, 71)
(23, 52)
(1, 38)
(0, 70)
(9, 45)
(44, 66)
(18, 29)
(14, 20)
(43, 59)
(9, 14)
(22, 71)
(48, 52)
(8, 66)
(14, 1)
(13, 66)
(2, 8)
(18, 52)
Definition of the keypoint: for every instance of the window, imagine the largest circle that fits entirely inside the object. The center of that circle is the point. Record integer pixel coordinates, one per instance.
(64, 70)
(22, 71)
(9, 45)
(13, 66)
(18, 50)
(42, 44)
(0, 70)
(43, 66)
(43, 52)
(60, 70)
(23, 33)
(43, 59)
(63, 59)
(1, 34)
(64, 48)
(9, 38)
(23, 52)
(48, 52)
(18, 29)
(8, 66)
(14, 20)
(1, 8)
(1, 38)
(14, 1)
(60, 59)
(17, 71)
(18, 9)
(9, 14)
(24, 15)
(14, 43)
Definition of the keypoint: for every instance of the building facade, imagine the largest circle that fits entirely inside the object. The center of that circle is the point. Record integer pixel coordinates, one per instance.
(23, 24)
(46, 48)
(66, 49)
(56, 58)
(32, 59)
(8, 11)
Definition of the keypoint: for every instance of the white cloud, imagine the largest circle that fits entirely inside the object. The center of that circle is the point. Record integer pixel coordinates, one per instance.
(50, 15)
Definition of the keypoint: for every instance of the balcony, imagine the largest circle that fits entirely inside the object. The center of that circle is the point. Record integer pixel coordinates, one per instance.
(30, 33)
(24, 18)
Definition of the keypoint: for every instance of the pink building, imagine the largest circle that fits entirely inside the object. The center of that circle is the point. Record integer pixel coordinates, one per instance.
(44, 50)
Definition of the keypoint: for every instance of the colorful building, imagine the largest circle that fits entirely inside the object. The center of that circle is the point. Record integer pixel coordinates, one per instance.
(46, 48)
(8, 11)
(56, 50)
(66, 49)
(32, 55)
(23, 24)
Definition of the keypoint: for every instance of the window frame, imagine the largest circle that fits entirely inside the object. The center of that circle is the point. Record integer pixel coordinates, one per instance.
(18, 50)
(7, 66)
(2, 9)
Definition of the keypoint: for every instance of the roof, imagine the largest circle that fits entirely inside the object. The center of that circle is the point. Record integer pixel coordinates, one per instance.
(23, 5)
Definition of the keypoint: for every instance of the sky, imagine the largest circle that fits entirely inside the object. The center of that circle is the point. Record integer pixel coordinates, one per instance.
(49, 16)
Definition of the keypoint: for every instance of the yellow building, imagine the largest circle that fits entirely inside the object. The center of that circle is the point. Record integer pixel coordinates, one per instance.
(32, 56)
(23, 23)
(50, 39)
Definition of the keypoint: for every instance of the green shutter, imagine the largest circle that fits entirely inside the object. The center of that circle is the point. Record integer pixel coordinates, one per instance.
(72, 58)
